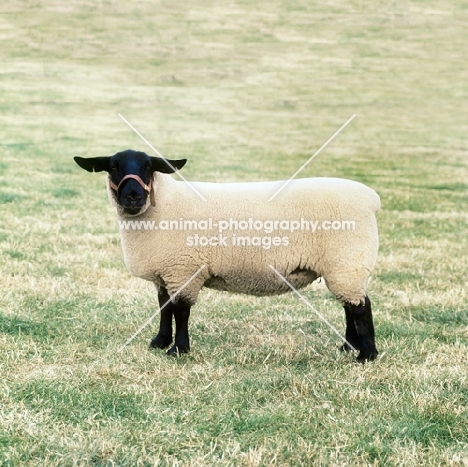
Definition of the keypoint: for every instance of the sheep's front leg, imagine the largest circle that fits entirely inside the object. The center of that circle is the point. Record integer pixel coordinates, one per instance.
(181, 312)
(181, 345)
(164, 336)
(360, 330)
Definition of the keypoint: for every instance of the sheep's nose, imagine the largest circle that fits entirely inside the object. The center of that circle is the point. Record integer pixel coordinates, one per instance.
(132, 200)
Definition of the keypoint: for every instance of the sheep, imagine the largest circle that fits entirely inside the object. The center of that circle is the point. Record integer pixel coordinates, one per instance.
(180, 263)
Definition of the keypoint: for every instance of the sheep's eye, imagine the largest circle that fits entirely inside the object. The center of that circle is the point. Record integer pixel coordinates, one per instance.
(114, 168)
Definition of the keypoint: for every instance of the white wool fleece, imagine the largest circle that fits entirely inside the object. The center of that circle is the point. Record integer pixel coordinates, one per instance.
(344, 257)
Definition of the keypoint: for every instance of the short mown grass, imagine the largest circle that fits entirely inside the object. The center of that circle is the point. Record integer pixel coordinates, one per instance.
(244, 91)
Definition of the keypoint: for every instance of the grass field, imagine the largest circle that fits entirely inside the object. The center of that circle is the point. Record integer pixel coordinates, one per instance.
(245, 91)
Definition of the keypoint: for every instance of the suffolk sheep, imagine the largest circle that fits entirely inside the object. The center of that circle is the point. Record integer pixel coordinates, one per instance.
(235, 240)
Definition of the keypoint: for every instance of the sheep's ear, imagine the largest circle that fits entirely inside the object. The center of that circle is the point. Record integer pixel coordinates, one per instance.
(164, 165)
(93, 164)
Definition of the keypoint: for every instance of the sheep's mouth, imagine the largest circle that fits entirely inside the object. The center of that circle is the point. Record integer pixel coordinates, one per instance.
(132, 210)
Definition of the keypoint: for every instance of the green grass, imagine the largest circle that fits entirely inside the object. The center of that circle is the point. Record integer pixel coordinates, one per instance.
(245, 91)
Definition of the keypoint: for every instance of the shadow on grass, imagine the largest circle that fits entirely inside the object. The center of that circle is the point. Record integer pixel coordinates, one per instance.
(16, 326)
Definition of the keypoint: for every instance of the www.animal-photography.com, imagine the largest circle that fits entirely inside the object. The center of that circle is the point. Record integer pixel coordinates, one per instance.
(234, 234)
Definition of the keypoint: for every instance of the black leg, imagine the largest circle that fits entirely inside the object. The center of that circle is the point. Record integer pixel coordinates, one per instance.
(164, 337)
(351, 332)
(181, 312)
(360, 330)
(182, 343)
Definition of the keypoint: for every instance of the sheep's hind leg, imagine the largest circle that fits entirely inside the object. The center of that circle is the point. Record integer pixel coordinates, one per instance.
(360, 330)
(164, 336)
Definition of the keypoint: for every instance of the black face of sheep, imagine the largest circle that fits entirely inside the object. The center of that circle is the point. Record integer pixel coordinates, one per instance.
(131, 174)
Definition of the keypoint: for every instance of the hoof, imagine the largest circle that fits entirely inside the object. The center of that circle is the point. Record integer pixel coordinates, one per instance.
(178, 350)
(161, 342)
(364, 357)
